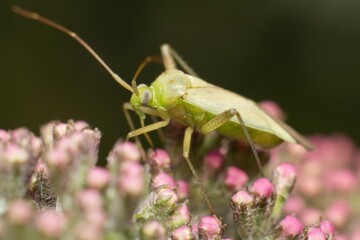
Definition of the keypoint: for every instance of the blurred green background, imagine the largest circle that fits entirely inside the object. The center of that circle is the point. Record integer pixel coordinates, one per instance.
(305, 55)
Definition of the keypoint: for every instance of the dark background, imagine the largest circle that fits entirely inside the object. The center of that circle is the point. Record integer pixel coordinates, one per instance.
(305, 55)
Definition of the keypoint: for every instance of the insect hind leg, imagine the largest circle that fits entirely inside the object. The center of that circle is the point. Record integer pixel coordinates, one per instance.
(171, 57)
(224, 117)
(186, 153)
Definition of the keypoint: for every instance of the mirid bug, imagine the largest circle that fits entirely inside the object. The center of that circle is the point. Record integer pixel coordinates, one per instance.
(183, 97)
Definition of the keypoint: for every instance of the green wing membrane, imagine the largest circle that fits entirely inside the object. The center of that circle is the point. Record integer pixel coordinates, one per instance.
(217, 100)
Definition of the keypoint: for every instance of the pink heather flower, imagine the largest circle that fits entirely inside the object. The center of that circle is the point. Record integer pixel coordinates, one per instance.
(284, 177)
(338, 213)
(310, 216)
(209, 227)
(294, 205)
(182, 189)
(89, 199)
(57, 158)
(291, 226)
(310, 186)
(273, 109)
(182, 233)
(4, 136)
(131, 178)
(180, 216)
(315, 234)
(50, 223)
(163, 179)
(160, 160)
(327, 227)
(235, 178)
(14, 154)
(19, 212)
(213, 161)
(96, 216)
(343, 180)
(126, 151)
(60, 130)
(168, 195)
(262, 187)
(80, 125)
(87, 231)
(98, 177)
(242, 197)
(153, 230)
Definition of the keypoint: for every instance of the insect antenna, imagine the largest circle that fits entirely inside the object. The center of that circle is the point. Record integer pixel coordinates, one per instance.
(46, 21)
(144, 63)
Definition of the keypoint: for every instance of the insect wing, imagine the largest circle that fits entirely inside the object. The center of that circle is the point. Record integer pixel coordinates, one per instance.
(217, 100)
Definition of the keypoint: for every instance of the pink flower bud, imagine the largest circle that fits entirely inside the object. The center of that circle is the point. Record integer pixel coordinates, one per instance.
(262, 187)
(57, 158)
(315, 234)
(87, 231)
(182, 189)
(242, 197)
(291, 226)
(126, 152)
(182, 233)
(209, 228)
(153, 230)
(273, 109)
(160, 160)
(50, 223)
(168, 195)
(343, 180)
(89, 199)
(180, 216)
(131, 178)
(338, 213)
(327, 227)
(235, 178)
(213, 161)
(98, 177)
(294, 205)
(14, 154)
(163, 179)
(19, 212)
(4, 136)
(96, 216)
(310, 216)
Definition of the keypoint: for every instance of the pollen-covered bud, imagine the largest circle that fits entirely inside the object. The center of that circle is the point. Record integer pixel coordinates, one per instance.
(124, 152)
(242, 207)
(158, 205)
(262, 188)
(98, 177)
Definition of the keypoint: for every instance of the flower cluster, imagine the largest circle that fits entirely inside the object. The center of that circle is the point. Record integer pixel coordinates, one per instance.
(51, 188)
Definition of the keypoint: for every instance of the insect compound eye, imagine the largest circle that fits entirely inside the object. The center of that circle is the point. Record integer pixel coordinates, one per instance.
(146, 97)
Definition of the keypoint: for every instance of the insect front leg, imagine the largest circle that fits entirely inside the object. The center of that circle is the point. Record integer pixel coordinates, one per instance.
(186, 152)
(127, 107)
(224, 117)
(148, 128)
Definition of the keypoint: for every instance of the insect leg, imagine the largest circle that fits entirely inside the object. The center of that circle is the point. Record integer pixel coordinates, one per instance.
(186, 153)
(148, 128)
(127, 107)
(224, 117)
(171, 57)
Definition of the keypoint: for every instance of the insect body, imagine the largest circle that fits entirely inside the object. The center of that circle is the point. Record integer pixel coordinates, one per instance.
(194, 103)
(187, 99)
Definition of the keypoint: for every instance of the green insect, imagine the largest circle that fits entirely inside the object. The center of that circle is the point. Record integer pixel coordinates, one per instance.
(192, 102)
